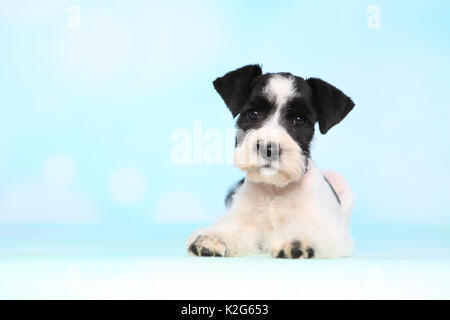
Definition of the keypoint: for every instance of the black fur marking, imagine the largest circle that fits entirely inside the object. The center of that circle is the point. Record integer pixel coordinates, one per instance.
(296, 251)
(310, 253)
(300, 107)
(332, 189)
(259, 103)
(281, 254)
(193, 248)
(206, 252)
(232, 191)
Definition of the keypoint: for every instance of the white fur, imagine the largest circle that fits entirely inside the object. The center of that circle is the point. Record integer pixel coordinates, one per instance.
(280, 88)
(263, 218)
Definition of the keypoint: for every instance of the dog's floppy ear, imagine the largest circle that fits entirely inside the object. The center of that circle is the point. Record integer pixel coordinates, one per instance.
(331, 104)
(234, 87)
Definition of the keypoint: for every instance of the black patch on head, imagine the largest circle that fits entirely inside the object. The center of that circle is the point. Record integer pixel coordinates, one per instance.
(259, 104)
(316, 101)
(331, 104)
(235, 86)
(300, 106)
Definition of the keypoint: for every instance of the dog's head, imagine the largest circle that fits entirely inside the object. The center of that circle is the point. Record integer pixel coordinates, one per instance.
(277, 113)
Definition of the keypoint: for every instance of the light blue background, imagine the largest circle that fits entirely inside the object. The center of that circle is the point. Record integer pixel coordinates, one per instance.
(109, 96)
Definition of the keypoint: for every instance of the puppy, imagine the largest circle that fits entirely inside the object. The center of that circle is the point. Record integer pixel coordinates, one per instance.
(285, 206)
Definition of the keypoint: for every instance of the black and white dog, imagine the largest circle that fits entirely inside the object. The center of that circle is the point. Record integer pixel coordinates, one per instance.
(285, 206)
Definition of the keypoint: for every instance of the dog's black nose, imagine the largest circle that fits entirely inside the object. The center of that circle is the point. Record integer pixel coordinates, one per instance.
(269, 150)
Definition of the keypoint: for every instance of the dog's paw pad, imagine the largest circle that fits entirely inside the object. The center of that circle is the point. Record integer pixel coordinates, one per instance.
(208, 246)
(295, 250)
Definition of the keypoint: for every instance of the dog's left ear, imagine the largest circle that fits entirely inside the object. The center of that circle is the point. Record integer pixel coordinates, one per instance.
(235, 86)
(331, 104)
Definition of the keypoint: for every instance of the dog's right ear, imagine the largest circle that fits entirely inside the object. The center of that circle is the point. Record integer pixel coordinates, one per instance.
(235, 86)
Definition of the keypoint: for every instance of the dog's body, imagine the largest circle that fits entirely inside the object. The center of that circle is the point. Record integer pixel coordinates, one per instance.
(285, 206)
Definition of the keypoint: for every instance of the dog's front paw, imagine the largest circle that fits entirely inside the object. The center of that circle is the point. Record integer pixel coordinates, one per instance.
(208, 246)
(294, 249)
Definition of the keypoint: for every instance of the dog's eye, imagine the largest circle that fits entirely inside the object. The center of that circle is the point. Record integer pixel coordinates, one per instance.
(298, 121)
(253, 115)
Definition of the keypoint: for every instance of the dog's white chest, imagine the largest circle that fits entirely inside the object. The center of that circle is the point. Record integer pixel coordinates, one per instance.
(274, 212)
(274, 208)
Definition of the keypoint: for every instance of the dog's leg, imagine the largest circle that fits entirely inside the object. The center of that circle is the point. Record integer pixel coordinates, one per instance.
(310, 239)
(229, 237)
